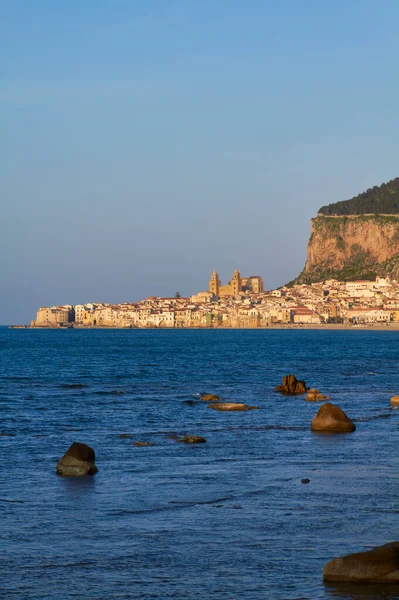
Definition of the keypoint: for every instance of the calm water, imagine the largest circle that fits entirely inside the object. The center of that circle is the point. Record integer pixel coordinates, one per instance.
(229, 519)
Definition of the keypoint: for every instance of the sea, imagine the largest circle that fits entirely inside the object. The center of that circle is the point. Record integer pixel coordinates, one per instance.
(229, 519)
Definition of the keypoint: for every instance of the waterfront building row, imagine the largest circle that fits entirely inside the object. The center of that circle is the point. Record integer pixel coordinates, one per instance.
(326, 302)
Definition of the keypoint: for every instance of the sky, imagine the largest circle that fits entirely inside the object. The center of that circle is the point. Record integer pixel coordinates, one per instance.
(145, 143)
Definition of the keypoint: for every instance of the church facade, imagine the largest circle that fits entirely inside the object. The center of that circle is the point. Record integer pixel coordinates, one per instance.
(236, 285)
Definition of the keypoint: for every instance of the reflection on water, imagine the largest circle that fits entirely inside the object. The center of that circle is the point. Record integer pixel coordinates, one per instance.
(348, 591)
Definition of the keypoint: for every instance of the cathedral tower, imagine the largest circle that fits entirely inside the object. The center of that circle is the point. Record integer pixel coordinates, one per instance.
(214, 283)
(235, 283)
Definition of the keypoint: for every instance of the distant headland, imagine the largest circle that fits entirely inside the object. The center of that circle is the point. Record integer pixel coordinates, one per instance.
(356, 238)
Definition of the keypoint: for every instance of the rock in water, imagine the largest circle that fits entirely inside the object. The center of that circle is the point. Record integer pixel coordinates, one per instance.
(143, 444)
(395, 401)
(230, 406)
(193, 439)
(291, 386)
(331, 418)
(316, 396)
(379, 565)
(78, 460)
(210, 398)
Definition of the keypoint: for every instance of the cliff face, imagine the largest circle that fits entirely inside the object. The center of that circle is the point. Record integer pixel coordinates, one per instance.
(352, 247)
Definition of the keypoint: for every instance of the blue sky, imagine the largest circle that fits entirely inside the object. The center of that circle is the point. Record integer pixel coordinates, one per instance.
(145, 143)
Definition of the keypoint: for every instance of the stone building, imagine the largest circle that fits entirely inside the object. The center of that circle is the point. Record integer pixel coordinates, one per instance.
(54, 316)
(237, 285)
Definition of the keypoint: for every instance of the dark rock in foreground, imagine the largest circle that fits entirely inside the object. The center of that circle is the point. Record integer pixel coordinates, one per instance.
(193, 439)
(291, 386)
(78, 460)
(379, 565)
(230, 406)
(332, 419)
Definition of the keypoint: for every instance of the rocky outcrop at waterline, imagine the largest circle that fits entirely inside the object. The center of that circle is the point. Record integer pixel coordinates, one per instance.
(291, 386)
(316, 396)
(192, 439)
(379, 565)
(78, 460)
(332, 419)
(210, 398)
(231, 406)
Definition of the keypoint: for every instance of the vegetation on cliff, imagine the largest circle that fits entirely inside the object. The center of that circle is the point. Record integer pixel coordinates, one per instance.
(383, 199)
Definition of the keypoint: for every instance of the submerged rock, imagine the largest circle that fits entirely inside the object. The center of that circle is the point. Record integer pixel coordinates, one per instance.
(291, 386)
(395, 401)
(78, 460)
(143, 444)
(331, 418)
(192, 439)
(316, 396)
(231, 406)
(210, 398)
(379, 565)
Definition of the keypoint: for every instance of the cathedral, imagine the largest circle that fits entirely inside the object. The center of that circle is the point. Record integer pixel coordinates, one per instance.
(237, 284)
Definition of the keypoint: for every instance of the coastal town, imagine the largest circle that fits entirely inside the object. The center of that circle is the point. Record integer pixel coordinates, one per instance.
(242, 303)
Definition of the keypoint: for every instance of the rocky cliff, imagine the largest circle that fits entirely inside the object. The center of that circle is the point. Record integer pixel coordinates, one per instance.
(349, 247)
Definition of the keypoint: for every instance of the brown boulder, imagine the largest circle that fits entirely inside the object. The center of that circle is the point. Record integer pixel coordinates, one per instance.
(230, 406)
(193, 439)
(331, 418)
(379, 565)
(78, 460)
(316, 396)
(210, 398)
(395, 401)
(291, 386)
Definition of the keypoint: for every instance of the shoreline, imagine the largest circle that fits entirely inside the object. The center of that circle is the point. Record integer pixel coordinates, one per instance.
(278, 326)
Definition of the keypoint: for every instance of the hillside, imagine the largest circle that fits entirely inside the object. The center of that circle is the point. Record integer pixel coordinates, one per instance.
(383, 199)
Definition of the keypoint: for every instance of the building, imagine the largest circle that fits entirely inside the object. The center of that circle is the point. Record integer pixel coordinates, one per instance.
(253, 284)
(301, 314)
(54, 316)
(214, 284)
(237, 285)
(203, 298)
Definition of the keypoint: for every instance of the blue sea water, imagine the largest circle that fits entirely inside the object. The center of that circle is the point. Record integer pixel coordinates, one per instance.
(229, 519)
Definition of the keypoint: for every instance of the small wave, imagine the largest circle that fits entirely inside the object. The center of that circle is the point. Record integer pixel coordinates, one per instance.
(194, 503)
(12, 501)
(109, 393)
(72, 386)
(365, 419)
(260, 428)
